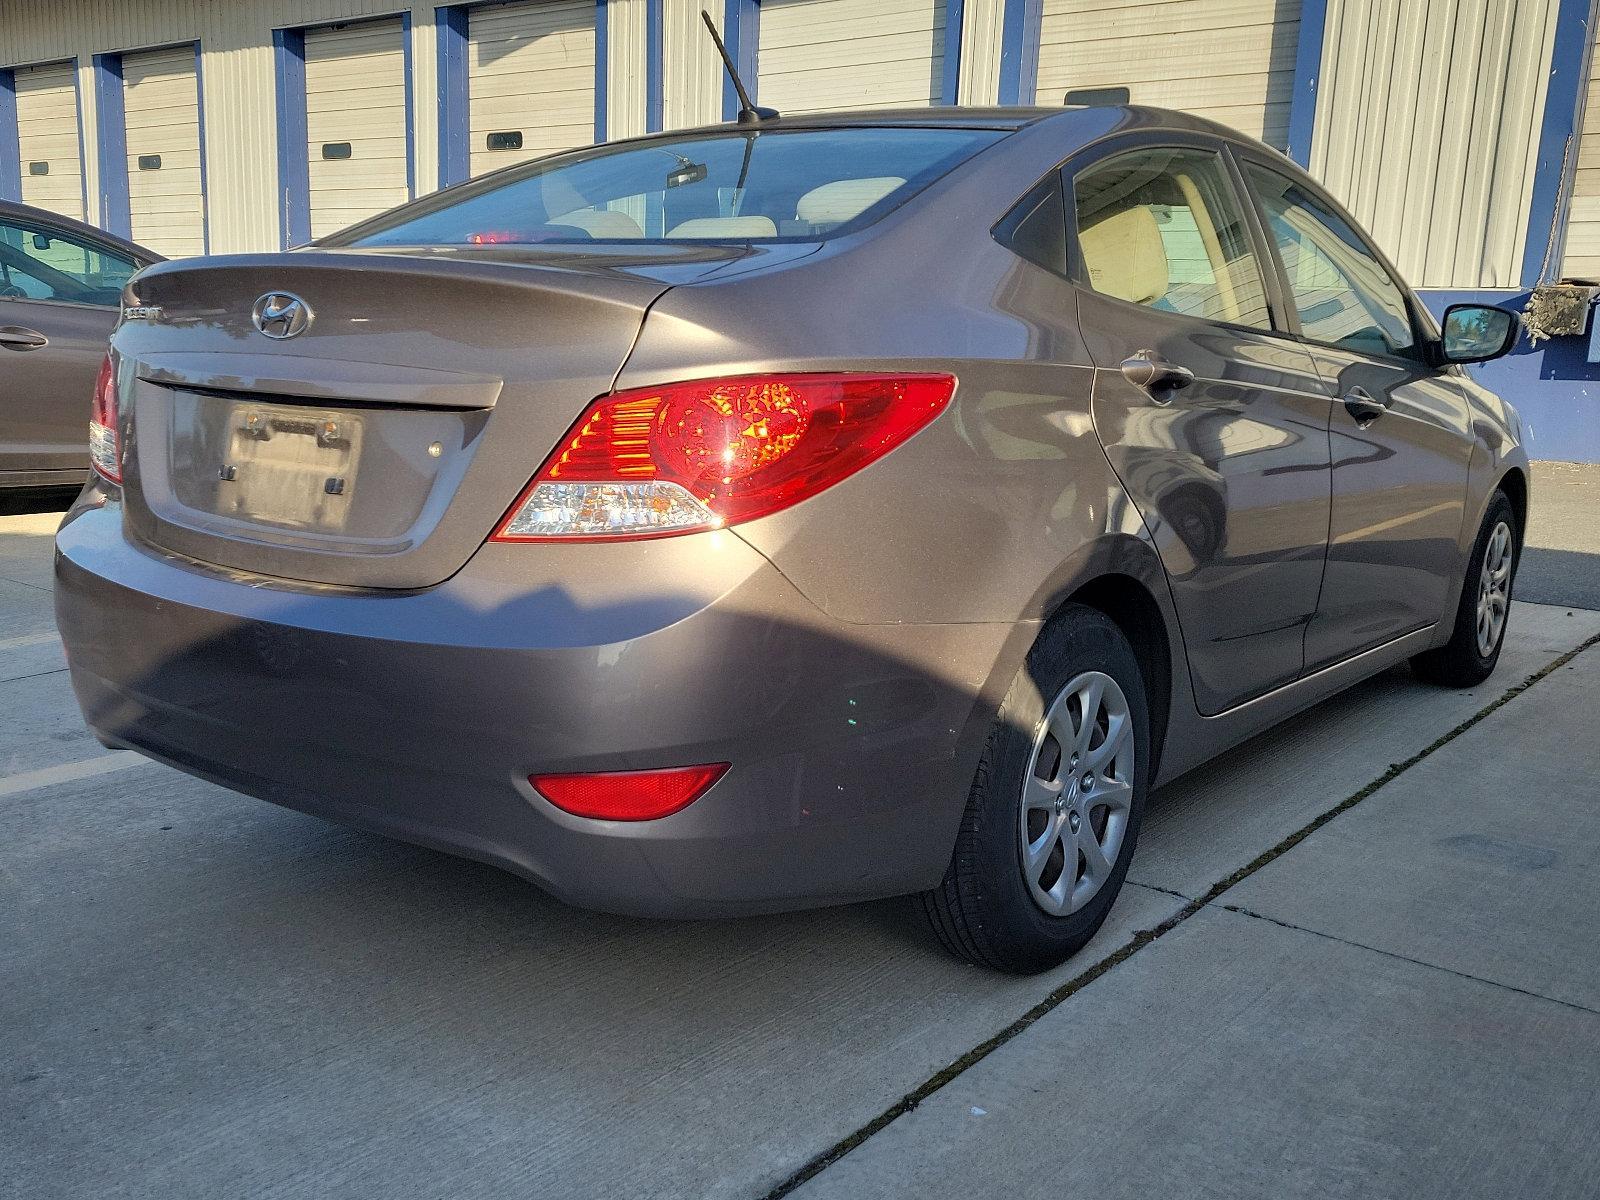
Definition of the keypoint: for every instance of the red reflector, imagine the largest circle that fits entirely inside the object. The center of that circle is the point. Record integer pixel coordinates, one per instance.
(628, 795)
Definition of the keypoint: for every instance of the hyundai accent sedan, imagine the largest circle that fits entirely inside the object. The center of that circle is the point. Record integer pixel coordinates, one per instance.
(793, 512)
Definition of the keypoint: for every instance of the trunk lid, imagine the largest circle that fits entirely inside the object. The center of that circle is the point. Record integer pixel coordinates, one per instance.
(378, 446)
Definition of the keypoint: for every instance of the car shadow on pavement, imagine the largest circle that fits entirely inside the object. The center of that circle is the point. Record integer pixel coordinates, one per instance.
(1569, 577)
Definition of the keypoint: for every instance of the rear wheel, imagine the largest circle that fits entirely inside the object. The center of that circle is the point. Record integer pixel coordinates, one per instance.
(1469, 657)
(1054, 810)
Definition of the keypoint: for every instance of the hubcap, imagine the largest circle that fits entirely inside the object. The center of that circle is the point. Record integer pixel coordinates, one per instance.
(1078, 793)
(1494, 589)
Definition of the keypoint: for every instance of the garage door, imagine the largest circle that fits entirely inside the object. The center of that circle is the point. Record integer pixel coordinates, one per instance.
(161, 107)
(1230, 60)
(47, 135)
(1583, 226)
(355, 123)
(828, 55)
(530, 80)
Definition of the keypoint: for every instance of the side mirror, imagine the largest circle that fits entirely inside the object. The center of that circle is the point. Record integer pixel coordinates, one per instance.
(1477, 332)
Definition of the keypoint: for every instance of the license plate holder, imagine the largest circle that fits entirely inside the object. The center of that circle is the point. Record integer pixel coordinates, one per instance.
(290, 466)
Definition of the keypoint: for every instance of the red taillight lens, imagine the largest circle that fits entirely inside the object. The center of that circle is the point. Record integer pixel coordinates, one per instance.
(702, 455)
(628, 795)
(105, 442)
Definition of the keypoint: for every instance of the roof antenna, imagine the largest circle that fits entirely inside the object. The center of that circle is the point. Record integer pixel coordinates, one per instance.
(749, 114)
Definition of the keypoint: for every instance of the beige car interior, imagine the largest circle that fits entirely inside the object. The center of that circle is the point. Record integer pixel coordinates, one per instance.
(601, 223)
(1128, 256)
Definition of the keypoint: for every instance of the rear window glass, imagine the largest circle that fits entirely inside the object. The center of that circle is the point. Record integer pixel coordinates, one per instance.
(745, 186)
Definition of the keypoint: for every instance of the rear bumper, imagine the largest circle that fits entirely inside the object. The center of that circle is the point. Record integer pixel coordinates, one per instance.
(421, 714)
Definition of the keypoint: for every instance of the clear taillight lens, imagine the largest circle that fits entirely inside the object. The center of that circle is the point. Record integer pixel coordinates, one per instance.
(105, 443)
(710, 453)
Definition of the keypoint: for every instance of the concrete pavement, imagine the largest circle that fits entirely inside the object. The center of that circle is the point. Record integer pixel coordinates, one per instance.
(204, 995)
(1561, 554)
(1406, 1003)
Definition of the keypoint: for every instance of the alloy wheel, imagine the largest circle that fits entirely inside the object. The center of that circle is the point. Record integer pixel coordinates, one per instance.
(1078, 794)
(1494, 588)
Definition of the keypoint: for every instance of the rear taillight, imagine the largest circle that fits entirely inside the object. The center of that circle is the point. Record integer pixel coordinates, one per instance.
(628, 795)
(711, 453)
(105, 443)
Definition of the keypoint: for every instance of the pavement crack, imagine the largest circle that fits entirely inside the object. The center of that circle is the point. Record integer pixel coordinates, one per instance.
(1144, 937)
(35, 675)
(1406, 958)
(24, 583)
(1165, 891)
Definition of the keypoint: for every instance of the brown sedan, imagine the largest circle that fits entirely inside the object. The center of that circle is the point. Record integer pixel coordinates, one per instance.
(60, 285)
(790, 513)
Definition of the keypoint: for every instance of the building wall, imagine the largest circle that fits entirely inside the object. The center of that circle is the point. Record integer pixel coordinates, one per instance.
(1428, 126)
(1230, 60)
(237, 87)
(1464, 133)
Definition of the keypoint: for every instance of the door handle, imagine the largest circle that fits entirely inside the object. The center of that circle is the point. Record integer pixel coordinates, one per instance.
(1155, 376)
(1361, 405)
(16, 337)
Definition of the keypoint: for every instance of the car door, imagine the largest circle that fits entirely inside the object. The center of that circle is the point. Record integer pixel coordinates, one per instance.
(1399, 427)
(1212, 415)
(59, 301)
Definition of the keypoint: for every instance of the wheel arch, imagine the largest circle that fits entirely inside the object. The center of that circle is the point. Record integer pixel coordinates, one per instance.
(1128, 602)
(1514, 483)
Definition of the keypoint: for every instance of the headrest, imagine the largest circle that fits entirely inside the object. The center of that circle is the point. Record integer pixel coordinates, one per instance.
(844, 199)
(1125, 256)
(601, 223)
(725, 227)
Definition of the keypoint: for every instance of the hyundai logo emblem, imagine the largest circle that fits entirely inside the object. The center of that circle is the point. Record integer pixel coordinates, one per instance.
(281, 315)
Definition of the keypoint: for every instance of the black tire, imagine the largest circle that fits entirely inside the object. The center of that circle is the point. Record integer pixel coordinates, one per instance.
(983, 910)
(1458, 663)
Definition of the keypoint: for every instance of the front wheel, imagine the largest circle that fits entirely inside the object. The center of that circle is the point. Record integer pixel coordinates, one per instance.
(1054, 810)
(1469, 657)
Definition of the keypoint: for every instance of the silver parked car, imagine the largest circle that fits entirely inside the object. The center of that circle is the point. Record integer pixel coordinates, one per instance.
(790, 513)
(60, 285)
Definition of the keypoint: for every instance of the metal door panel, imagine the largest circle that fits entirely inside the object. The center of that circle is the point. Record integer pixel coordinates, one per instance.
(1231, 476)
(45, 400)
(1399, 498)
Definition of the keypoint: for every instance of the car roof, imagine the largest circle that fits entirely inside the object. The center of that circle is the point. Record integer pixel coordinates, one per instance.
(12, 210)
(1004, 118)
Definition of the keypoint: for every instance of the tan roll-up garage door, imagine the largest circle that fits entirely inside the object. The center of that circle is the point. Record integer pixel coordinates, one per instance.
(530, 80)
(47, 135)
(161, 112)
(1230, 60)
(832, 55)
(355, 122)
(1583, 225)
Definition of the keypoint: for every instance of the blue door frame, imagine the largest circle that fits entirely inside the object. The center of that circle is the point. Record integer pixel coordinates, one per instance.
(450, 25)
(11, 141)
(294, 168)
(111, 140)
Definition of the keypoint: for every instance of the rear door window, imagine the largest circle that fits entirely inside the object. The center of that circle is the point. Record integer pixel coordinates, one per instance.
(1342, 291)
(41, 264)
(744, 186)
(1162, 228)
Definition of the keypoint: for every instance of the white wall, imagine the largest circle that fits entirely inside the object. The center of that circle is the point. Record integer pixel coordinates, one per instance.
(1427, 128)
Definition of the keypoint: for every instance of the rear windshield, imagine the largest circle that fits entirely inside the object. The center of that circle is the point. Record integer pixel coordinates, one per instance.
(739, 185)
